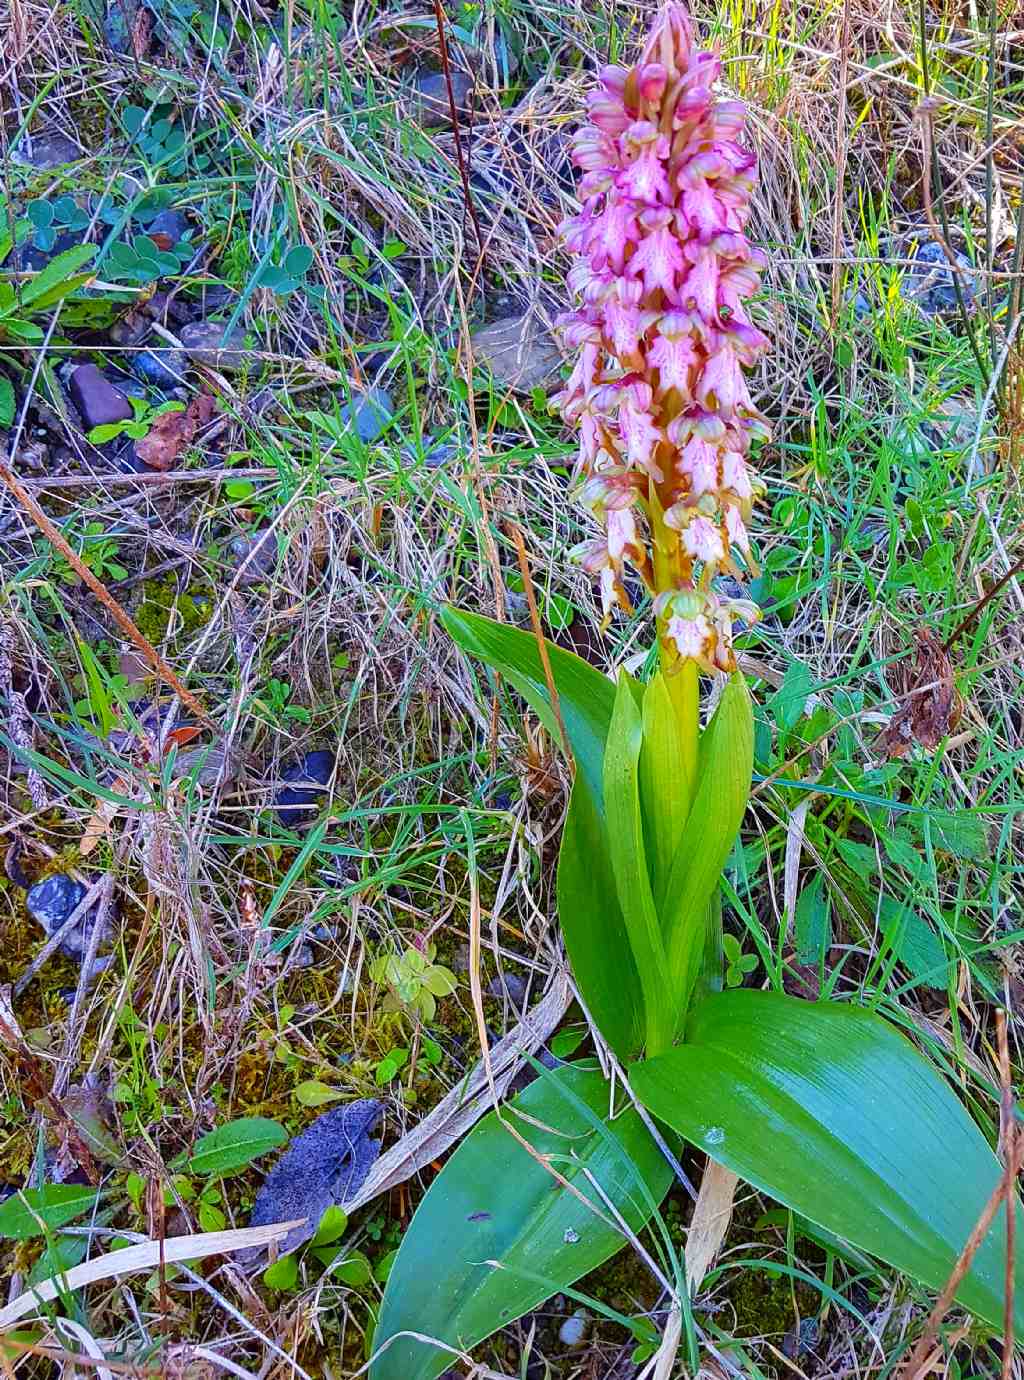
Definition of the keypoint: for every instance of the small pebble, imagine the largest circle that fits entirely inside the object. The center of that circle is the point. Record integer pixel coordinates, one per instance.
(164, 368)
(298, 805)
(97, 400)
(174, 224)
(32, 258)
(369, 413)
(931, 286)
(51, 902)
(429, 103)
(574, 1329)
(257, 552)
(510, 985)
(519, 351)
(802, 1340)
(204, 343)
(50, 149)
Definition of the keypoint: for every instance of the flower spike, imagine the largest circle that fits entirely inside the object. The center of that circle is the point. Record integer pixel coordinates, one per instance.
(664, 273)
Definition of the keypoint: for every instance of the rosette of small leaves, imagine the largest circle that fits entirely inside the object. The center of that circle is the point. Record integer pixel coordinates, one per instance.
(414, 981)
(143, 261)
(159, 141)
(52, 218)
(288, 275)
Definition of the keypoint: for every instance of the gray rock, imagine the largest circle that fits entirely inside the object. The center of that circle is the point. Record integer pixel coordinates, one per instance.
(261, 547)
(369, 414)
(51, 903)
(441, 455)
(304, 786)
(213, 765)
(428, 100)
(32, 257)
(574, 1329)
(519, 351)
(802, 1340)
(50, 149)
(326, 1165)
(164, 368)
(98, 402)
(931, 286)
(204, 343)
(510, 985)
(953, 425)
(120, 19)
(174, 224)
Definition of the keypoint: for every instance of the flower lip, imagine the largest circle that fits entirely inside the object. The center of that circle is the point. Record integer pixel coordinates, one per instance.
(658, 392)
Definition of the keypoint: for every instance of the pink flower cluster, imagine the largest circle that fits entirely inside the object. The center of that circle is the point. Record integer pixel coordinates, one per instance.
(658, 391)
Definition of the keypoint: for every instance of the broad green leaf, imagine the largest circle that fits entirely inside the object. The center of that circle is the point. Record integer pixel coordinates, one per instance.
(22, 330)
(629, 866)
(298, 260)
(332, 1225)
(236, 1144)
(666, 787)
(52, 1205)
(355, 1270)
(593, 928)
(833, 1112)
(7, 404)
(585, 695)
(283, 1275)
(916, 944)
(313, 1093)
(723, 789)
(65, 1253)
(813, 922)
(57, 275)
(494, 1219)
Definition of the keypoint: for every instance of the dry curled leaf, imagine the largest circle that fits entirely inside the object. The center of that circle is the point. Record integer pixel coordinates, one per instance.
(98, 824)
(141, 33)
(172, 432)
(931, 705)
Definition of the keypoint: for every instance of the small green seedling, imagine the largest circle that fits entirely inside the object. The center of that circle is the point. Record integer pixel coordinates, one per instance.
(414, 980)
(137, 426)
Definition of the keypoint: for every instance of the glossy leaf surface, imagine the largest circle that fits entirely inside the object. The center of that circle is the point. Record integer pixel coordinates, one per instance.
(592, 922)
(585, 695)
(830, 1110)
(594, 929)
(629, 865)
(720, 800)
(493, 1202)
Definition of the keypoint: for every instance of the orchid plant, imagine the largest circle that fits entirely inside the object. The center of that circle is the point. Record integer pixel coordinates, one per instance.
(822, 1105)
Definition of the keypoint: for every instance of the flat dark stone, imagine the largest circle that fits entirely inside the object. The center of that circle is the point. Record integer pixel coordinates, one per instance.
(174, 224)
(930, 282)
(429, 103)
(32, 257)
(50, 149)
(51, 902)
(205, 344)
(302, 789)
(369, 414)
(164, 368)
(98, 402)
(325, 1166)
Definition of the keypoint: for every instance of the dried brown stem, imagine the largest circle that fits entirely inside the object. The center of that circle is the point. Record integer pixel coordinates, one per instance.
(1008, 1137)
(965, 623)
(467, 192)
(120, 617)
(921, 1359)
(542, 646)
